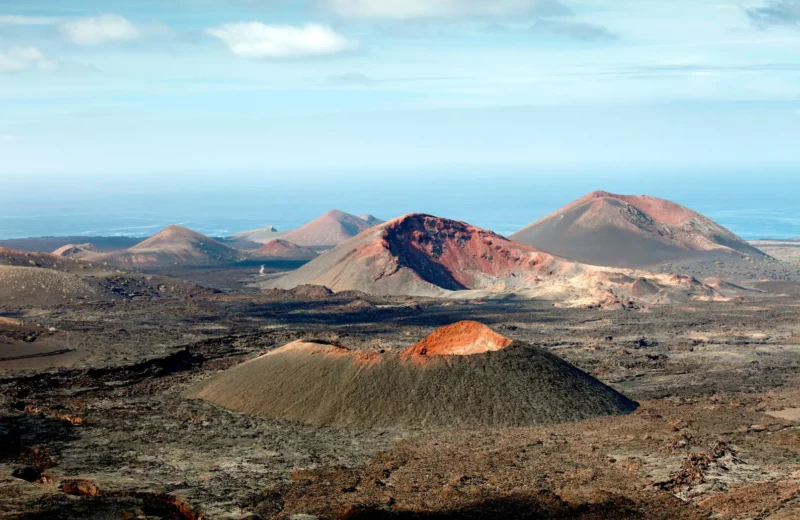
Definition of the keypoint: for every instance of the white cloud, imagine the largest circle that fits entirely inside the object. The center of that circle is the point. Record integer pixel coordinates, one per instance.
(19, 59)
(10, 19)
(257, 40)
(97, 30)
(410, 9)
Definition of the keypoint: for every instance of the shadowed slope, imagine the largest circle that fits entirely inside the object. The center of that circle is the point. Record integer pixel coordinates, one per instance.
(423, 255)
(519, 385)
(632, 231)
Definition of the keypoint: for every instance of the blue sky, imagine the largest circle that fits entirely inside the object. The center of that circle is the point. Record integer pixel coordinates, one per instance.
(323, 87)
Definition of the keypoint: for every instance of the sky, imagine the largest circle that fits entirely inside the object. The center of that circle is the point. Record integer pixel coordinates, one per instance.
(311, 88)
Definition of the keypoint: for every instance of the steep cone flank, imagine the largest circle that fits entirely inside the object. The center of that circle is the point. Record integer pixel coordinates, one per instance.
(423, 255)
(464, 338)
(174, 245)
(519, 385)
(331, 229)
(279, 249)
(632, 231)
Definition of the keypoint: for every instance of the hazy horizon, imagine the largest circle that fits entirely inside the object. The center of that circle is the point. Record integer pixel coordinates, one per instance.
(229, 115)
(503, 201)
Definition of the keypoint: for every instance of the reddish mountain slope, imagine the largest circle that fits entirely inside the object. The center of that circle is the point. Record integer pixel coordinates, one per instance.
(279, 249)
(331, 229)
(175, 245)
(429, 256)
(632, 231)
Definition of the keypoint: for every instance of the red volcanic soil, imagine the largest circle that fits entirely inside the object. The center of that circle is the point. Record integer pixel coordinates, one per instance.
(464, 338)
(284, 250)
(331, 229)
(330, 385)
(423, 255)
(174, 245)
(632, 231)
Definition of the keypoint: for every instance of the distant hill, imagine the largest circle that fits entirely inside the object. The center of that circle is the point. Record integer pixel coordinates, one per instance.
(261, 236)
(34, 279)
(372, 221)
(77, 250)
(174, 245)
(279, 249)
(331, 229)
(632, 231)
(47, 244)
(423, 255)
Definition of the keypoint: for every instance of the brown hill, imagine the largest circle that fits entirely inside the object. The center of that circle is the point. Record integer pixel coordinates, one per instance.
(519, 385)
(23, 286)
(174, 245)
(331, 229)
(422, 255)
(261, 236)
(77, 250)
(12, 257)
(33, 279)
(632, 231)
(279, 249)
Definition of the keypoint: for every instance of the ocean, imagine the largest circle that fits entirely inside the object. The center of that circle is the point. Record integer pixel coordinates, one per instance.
(754, 205)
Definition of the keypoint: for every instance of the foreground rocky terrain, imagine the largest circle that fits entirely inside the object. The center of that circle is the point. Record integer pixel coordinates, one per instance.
(106, 433)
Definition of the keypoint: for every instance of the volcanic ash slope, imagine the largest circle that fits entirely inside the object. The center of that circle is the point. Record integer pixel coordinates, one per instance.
(463, 376)
(41, 286)
(279, 249)
(76, 250)
(423, 255)
(174, 245)
(633, 231)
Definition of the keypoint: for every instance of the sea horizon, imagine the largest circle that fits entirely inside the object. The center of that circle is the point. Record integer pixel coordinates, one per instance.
(221, 206)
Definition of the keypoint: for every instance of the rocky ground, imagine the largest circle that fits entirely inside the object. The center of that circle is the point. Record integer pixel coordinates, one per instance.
(107, 435)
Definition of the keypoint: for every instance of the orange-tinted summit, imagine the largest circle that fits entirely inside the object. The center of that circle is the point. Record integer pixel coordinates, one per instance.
(464, 338)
